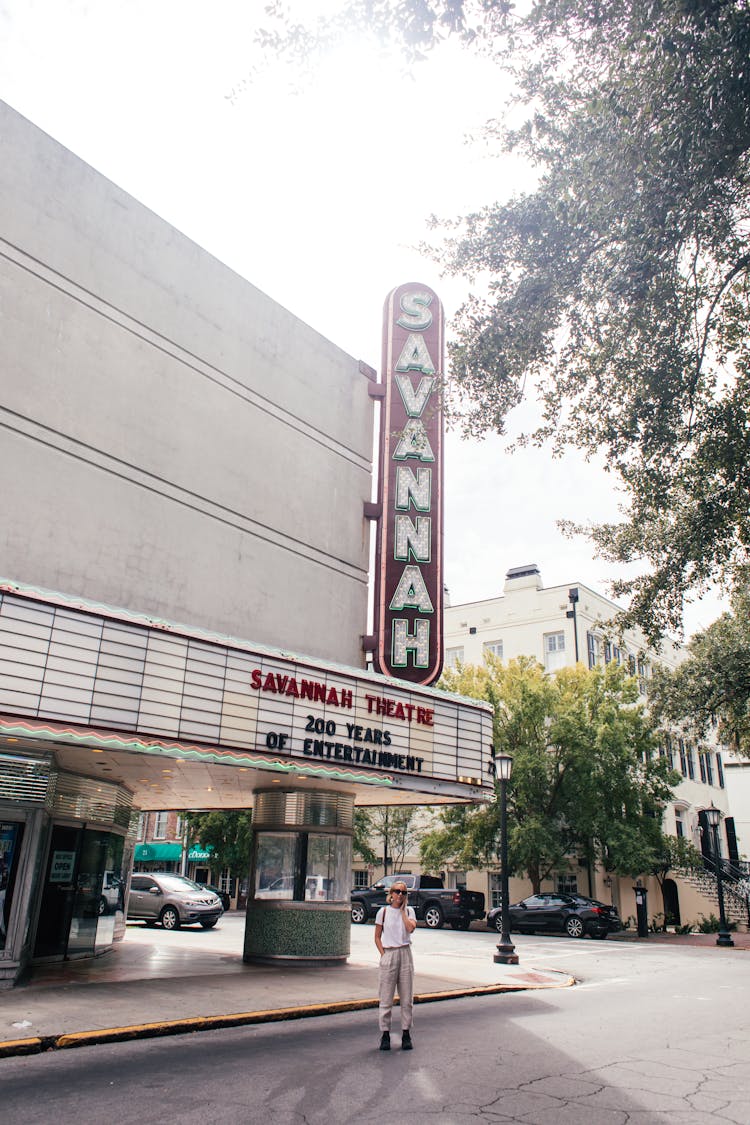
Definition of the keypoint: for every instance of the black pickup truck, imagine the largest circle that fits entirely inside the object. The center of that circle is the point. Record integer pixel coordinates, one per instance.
(433, 903)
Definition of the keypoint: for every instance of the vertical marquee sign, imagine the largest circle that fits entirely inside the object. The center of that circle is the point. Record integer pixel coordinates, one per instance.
(409, 568)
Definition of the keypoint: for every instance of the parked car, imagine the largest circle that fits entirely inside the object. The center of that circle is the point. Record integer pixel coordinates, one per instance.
(222, 895)
(283, 887)
(172, 900)
(433, 904)
(572, 914)
(111, 897)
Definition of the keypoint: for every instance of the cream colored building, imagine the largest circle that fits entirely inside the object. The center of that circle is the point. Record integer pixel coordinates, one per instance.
(558, 626)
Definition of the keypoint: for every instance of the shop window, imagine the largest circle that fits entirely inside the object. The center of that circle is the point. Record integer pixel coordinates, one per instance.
(11, 835)
(160, 825)
(301, 867)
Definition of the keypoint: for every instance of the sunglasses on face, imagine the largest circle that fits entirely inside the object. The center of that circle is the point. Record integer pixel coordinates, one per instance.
(398, 892)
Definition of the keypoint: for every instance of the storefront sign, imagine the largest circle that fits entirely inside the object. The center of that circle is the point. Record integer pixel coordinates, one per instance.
(409, 569)
(61, 868)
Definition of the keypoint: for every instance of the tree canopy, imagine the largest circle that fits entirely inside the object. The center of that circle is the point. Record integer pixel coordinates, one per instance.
(708, 694)
(227, 834)
(616, 291)
(586, 780)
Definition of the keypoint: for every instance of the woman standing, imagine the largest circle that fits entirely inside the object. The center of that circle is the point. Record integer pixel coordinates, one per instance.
(394, 925)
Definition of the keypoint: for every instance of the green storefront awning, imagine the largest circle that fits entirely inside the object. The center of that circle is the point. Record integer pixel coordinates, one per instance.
(149, 853)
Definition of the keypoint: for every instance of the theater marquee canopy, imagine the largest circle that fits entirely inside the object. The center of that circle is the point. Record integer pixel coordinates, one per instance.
(188, 719)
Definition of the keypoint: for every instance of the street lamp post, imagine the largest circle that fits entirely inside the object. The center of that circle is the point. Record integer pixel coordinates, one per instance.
(571, 615)
(713, 816)
(506, 950)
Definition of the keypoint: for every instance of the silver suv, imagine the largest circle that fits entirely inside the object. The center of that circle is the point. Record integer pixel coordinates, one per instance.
(173, 900)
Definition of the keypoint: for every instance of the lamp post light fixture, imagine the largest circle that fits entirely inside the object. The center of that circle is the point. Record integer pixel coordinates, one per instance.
(571, 615)
(713, 816)
(506, 950)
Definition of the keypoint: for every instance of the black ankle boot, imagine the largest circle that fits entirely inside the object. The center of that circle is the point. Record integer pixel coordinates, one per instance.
(385, 1041)
(406, 1043)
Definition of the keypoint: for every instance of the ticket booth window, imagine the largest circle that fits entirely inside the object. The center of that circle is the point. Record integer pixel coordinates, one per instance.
(301, 867)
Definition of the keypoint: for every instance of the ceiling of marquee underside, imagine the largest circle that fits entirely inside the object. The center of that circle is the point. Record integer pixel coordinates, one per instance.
(170, 783)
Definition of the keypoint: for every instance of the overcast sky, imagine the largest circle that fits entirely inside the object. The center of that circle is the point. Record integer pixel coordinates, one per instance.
(317, 195)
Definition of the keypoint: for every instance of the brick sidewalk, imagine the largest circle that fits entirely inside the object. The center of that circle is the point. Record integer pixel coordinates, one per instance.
(741, 940)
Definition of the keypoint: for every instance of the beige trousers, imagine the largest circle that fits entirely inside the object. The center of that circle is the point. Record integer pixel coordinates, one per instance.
(396, 971)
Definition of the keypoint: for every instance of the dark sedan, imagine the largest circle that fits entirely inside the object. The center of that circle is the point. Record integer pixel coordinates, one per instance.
(574, 915)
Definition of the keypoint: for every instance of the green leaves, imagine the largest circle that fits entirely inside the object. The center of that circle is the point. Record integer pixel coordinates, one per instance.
(619, 288)
(228, 834)
(709, 693)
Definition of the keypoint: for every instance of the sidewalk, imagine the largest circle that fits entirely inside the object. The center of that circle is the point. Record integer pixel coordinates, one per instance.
(683, 941)
(152, 984)
(145, 988)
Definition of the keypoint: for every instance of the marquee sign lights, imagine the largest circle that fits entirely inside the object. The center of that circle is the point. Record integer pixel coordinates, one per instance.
(409, 569)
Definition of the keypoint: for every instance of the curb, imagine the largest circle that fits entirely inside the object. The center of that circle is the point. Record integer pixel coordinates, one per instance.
(38, 1044)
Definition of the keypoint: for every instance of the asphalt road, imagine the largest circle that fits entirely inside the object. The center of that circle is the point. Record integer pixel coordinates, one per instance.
(650, 1034)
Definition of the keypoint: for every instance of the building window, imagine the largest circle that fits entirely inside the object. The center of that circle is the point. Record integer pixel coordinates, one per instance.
(567, 884)
(142, 823)
(496, 890)
(679, 824)
(455, 880)
(720, 770)
(495, 647)
(632, 666)
(702, 766)
(554, 651)
(160, 825)
(360, 880)
(454, 656)
(683, 758)
(709, 768)
(691, 763)
(607, 652)
(592, 643)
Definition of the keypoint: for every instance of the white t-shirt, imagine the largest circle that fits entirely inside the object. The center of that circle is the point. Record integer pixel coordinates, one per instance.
(394, 932)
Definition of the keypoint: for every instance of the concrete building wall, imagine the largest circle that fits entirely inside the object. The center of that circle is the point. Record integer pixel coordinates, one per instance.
(172, 440)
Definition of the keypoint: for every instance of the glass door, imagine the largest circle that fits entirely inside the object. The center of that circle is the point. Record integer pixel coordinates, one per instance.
(58, 893)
